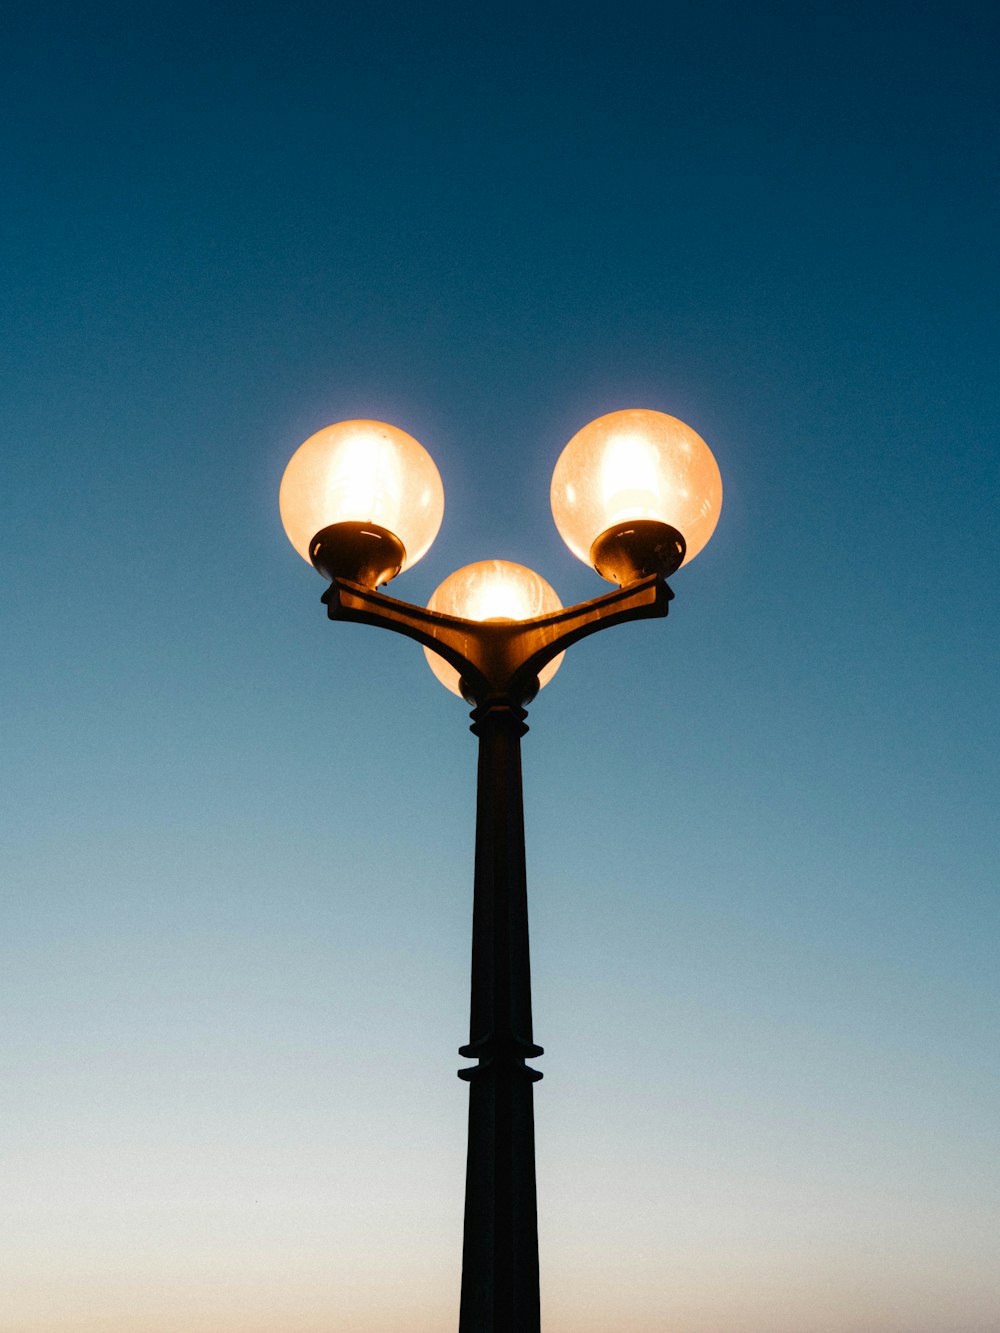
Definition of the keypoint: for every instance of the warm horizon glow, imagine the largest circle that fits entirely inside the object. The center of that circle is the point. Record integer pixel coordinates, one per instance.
(492, 590)
(635, 464)
(367, 471)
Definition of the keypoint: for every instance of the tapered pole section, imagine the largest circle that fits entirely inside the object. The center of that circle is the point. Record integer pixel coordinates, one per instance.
(500, 1255)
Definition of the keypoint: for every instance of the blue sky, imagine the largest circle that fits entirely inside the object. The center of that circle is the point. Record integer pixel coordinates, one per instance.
(762, 839)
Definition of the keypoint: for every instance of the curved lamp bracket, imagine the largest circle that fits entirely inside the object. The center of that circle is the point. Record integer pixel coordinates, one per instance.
(498, 661)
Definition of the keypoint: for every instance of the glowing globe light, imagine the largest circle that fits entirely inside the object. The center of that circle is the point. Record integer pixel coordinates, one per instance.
(362, 472)
(492, 590)
(635, 466)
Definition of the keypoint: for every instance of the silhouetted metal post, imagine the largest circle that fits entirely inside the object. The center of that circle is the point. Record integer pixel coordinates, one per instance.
(500, 1253)
(498, 665)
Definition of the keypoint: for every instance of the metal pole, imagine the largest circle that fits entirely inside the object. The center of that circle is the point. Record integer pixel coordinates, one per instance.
(498, 663)
(500, 1254)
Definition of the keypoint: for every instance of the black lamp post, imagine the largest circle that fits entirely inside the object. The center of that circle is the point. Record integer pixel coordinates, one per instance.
(496, 656)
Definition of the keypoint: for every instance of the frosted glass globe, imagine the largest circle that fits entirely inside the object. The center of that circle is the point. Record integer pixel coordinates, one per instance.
(636, 464)
(492, 590)
(362, 471)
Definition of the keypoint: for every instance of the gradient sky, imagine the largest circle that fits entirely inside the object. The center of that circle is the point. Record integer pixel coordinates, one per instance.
(762, 835)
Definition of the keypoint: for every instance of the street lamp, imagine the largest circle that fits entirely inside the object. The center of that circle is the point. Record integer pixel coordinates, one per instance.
(635, 494)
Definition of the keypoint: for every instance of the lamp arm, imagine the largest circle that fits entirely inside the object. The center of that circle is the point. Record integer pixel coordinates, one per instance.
(548, 636)
(498, 659)
(452, 638)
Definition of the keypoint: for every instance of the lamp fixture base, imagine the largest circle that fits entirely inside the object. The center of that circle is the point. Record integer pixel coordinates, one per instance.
(362, 552)
(633, 550)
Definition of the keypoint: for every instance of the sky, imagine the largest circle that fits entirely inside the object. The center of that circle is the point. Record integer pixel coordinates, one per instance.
(237, 839)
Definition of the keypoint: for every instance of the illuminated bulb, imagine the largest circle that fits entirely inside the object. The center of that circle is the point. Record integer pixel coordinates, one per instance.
(492, 590)
(362, 472)
(630, 486)
(635, 465)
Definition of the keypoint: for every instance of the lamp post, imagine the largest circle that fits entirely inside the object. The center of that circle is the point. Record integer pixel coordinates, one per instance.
(635, 494)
